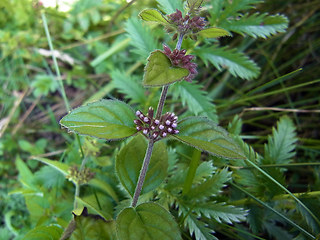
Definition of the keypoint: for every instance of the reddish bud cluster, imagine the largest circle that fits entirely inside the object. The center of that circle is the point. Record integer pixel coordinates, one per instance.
(156, 128)
(186, 24)
(178, 58)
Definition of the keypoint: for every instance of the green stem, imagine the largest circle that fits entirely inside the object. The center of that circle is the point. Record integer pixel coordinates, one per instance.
(192, 171)
(55, 63)
(76, 194)
(143, 173)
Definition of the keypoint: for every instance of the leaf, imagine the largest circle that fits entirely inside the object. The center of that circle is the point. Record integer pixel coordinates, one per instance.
(281, 145)
(89, 226)
(129, 162)
(238, 64)
(107, 119)
(193, 97)
(204, 134)
(129, 86)
(159, 71)
(44, 233)
(199, 229)
(170, 6)
(92, 207)
(147, 221)
(104, 186)
(194, 4)
(25, 175)
(220, 212)
(211, 186)
(142, 38)
(213, 32)
(257, 25)
(61, 167)
(153, 15)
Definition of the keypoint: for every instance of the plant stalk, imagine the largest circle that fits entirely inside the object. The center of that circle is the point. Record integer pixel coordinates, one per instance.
(143, 173)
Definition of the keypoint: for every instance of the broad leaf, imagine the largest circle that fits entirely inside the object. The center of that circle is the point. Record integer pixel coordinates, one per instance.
(89, 226)
(129, 162)
(213, 32)
(147, 221)
(153, 15)
(159, 71)
(92, 206)
(44, 233)
(107, 119)
(238, 64)
(204, 134)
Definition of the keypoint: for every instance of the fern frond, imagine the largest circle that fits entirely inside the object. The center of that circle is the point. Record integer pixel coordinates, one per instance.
(204, 170)
(141, 36)
(211, 186)
(257, 25)
(220, 212)
(170, 6)
(129, 86)
(282, 143)
(232, 7)
(238, 64)
(193, 97)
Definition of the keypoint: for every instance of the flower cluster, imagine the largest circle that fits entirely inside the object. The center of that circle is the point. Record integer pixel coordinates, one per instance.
(179, 59)
(156, 128)
(186, 24)
(80, 177)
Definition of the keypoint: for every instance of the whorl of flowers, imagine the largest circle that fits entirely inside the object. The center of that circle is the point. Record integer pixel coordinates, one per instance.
(187, 24)
(179, 59)
(80, 177)
(156, 128)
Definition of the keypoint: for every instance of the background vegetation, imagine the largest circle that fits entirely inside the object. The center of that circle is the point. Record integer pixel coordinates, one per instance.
(101, 54)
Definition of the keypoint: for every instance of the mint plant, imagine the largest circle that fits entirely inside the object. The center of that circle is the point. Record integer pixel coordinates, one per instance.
(165, 197)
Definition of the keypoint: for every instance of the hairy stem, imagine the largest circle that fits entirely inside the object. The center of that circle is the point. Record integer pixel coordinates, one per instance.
(143, 173)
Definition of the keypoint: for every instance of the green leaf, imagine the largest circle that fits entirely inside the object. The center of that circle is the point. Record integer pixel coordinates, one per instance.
(129, 162)
(153, 15)
(220, 212)
(211, 187)
(213, 32)
(129, 86)
(193, 97)
(92, 207)
(61, 167)
(281, 145)
(194, 4)
(104, 186)
(107, 119)
(257, 25)
(142, 38)
(25, 175)
(159, 71)
(198, 228)
(204, 134)
(170, 6)
(147, 221)
(238, 64)
(44, 233)
(89, 226)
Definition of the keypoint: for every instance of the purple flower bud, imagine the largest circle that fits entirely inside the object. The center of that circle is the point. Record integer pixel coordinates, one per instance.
(145, 131)
(161, 127)
(169, 130)
(156, 122)
(138, 113)
(141, 116)
(168, 122)
(175, 118)
(174, 125)
(145, 119)
(155, 135)
(139, 128)
(176, 131)
(164, 134)
(150, 112)
(153, 127)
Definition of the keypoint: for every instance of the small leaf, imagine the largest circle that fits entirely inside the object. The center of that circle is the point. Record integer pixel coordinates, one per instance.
(194, 4)
(44, 233)
(146, 222)
(61, 167)
(104, 186)
(153, 15)
(205, 135)
(213, 32)
(107, 119)
(129, 162)
(159, 71)
(92, 207)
